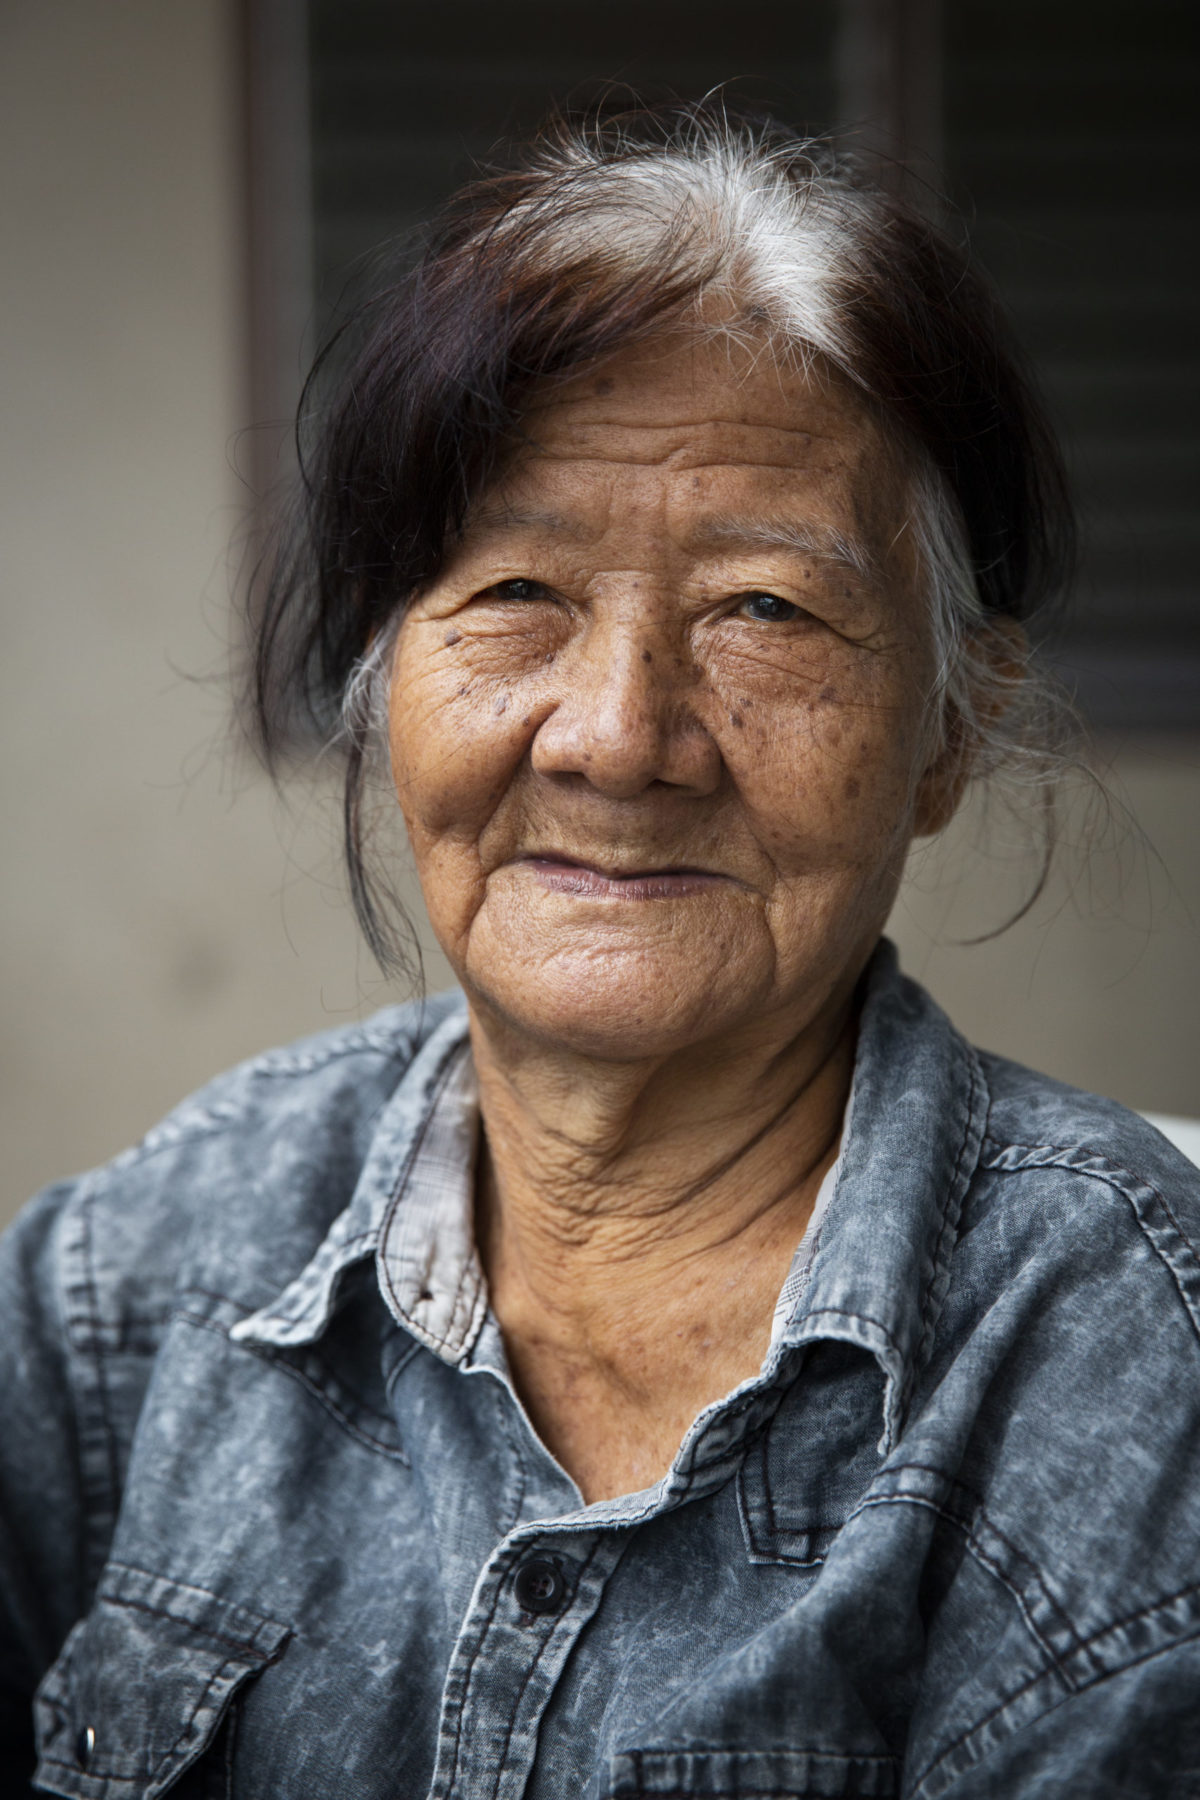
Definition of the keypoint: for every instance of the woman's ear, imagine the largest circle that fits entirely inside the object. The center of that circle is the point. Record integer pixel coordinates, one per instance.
(995, 667)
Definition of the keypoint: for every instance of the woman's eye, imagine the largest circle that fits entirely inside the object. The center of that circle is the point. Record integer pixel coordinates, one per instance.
(769, 608)
(520, 588)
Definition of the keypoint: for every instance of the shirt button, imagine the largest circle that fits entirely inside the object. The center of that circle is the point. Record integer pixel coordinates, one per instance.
(539, 1586)
(85, 1744)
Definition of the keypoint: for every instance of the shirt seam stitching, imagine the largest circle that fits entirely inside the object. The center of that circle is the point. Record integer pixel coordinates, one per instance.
(430, 1337)
(223, 1115)
(96, 1351)
(1119, 1180)
(975, 1086)
(1141, 1612)
(469, 1671)
(263, 1355)
(973, 1546)
(529, 1673)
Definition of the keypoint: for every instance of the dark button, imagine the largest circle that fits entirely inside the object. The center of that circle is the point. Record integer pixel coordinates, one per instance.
(539, 1586)
(85, 1744)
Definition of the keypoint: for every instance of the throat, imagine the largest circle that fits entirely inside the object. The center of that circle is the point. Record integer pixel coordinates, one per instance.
(634, 1271)
(617, 1340)
(614, 1405)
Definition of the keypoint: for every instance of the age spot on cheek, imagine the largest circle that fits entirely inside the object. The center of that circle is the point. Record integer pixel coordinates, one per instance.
(501, 705)
(853, 789)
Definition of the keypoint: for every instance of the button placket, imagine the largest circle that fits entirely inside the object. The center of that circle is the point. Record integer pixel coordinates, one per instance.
(510, 1655)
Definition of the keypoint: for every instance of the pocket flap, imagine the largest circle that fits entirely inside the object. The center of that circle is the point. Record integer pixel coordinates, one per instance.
(142, 1684)
(815, 1460)
(750, 1775)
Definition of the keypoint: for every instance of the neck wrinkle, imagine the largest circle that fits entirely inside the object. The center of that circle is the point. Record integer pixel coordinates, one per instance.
(553, 1213)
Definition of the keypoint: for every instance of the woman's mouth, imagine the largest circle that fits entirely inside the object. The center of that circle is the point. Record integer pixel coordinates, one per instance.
(563, 875)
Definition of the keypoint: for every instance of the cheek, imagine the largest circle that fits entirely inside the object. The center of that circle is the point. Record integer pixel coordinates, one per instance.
(827, 776)
(456, 737)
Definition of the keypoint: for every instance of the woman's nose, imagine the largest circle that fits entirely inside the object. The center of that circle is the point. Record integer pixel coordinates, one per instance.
(625, 717)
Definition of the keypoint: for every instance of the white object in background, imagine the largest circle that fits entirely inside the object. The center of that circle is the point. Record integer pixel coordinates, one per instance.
(1183, 1133)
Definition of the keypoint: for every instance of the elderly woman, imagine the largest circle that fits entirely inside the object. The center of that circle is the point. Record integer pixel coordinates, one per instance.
(677, 1364)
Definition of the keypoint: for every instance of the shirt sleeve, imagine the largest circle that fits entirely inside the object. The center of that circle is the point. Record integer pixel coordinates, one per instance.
(41, 1509)
(1134, 1735)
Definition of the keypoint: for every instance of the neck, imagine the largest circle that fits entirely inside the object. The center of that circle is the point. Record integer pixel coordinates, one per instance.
(637, 1221)
(602, 1174)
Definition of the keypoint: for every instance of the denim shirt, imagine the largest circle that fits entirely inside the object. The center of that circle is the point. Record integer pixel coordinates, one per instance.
(274, 1523)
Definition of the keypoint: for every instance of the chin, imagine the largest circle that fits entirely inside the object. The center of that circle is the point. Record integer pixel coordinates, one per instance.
(603, 1009)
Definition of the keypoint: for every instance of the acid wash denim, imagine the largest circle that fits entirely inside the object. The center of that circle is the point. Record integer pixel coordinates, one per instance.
(269, 1500)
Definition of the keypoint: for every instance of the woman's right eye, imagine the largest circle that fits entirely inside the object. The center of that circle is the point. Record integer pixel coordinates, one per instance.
(519, 588)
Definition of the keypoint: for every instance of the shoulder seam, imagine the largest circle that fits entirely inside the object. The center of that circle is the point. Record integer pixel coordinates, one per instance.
(187, 1124)
(1138, 1192)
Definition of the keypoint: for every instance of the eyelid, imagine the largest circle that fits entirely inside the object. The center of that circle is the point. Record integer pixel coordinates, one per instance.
(542, 589)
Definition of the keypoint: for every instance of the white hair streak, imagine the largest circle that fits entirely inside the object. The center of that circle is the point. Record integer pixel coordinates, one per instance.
(770, 259)
(364, 714)
(1013, 722)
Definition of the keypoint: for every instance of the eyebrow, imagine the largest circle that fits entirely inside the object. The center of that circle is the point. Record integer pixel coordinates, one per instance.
(504, 517)
(824, 543)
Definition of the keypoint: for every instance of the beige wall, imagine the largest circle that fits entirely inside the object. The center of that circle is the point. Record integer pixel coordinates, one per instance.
(161, 917)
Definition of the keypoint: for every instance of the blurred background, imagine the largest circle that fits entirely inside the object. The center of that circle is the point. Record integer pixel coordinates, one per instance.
(188, 189)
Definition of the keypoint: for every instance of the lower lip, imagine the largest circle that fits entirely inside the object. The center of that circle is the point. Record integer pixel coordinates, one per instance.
(590, 884)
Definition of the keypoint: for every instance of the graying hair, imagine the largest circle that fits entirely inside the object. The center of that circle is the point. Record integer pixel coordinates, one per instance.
(601, 233)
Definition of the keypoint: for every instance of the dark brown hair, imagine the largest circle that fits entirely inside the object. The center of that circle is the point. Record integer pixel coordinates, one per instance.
(593, 234)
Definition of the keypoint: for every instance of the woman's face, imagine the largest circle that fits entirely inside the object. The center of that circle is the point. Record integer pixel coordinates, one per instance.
(658, 729)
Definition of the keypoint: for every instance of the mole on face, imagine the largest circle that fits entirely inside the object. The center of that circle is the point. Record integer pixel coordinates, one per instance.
(736, 719)
(452, 637)
(646, 656)
(501, 704)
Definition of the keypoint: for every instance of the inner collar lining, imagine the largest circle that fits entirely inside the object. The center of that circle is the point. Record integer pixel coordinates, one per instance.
(429, 1269)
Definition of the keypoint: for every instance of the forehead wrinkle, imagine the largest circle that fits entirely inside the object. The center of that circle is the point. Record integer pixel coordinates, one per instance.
(500, 518)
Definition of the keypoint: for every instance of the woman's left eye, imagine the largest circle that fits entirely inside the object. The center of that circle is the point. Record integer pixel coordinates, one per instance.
(768, 608)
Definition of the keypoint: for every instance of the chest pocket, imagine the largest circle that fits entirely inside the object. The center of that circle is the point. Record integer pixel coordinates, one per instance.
(143, 1686)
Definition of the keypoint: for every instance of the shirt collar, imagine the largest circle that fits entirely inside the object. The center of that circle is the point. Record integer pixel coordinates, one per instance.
(918, 1109)
(413, 1121)
(879, 1262)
